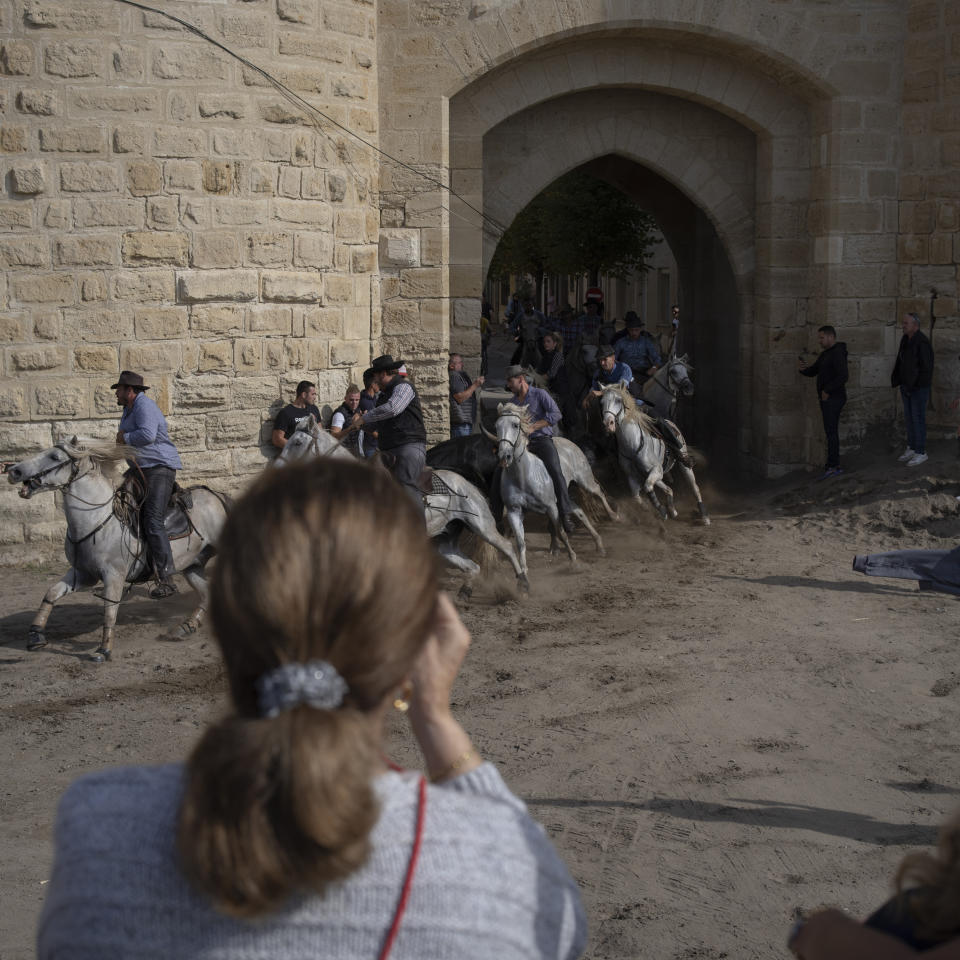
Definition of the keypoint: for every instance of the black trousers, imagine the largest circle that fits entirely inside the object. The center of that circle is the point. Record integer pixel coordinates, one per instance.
(159, 487)
(543, 447)
(830, 410)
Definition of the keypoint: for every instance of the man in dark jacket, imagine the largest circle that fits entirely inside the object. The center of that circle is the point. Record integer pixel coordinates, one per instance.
(913, 374)
(399, 420)
(830, 369)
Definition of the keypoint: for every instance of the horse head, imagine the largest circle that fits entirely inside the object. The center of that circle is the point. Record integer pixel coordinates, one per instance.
(512, 426)
(678, 369)
(300, 443)
(612, 406)
(61, 464)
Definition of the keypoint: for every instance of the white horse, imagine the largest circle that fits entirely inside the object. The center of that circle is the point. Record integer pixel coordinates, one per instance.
(309, 439)
(525, 483)
(644, 457)
(669, 382)
(451, 504)
(102, 539)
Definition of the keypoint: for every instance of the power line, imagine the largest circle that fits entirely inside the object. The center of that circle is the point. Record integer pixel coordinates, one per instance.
(491, 226)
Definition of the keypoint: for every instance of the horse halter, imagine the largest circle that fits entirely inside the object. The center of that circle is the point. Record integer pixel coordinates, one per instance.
(518, 445)
(74, 469)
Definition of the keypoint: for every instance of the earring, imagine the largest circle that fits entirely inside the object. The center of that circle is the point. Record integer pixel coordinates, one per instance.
(402, 702)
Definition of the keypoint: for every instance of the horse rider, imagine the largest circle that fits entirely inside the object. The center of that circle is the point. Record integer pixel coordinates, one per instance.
(304, 404)
(341, 423)
(544, 415)
(611, 370)
(639, 351)
(529, 324)
(399, 422)
(143, 426)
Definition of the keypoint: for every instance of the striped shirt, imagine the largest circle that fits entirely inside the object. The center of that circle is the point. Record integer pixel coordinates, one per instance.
(399, 400)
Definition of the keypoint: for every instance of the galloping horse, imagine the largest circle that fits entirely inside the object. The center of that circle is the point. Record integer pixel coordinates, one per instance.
(103, 542)
(644, 456)
(670, 381)
(525, 483)
(451, 503)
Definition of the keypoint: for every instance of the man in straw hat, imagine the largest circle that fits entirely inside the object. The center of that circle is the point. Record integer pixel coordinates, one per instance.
(398, 419)
(143, 426)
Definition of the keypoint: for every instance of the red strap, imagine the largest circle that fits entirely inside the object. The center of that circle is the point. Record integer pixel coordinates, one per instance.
(411, 867)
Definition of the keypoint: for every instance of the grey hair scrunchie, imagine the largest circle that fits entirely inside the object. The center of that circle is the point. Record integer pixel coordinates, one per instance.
(315, 683)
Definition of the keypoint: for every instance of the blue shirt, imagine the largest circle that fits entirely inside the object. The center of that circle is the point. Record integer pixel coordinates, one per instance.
(542, 407)
(619, 372)
(639, 354)
(144, 427)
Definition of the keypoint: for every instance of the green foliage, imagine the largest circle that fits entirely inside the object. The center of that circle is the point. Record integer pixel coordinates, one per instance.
(577, 225)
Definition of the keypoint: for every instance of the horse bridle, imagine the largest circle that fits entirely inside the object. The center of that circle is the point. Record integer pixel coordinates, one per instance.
(674, 391)
(515, 444)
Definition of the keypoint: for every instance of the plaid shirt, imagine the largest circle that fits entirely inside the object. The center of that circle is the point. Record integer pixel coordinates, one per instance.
(579, 330)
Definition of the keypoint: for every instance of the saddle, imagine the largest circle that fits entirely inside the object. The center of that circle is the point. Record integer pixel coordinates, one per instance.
(430, 484)
(176, 521)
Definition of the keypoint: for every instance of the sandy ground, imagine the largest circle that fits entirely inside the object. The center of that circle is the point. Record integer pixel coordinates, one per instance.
(715, 724)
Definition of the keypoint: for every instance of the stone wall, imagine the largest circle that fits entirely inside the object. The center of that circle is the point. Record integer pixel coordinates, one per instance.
(928, 245)
(167, 210)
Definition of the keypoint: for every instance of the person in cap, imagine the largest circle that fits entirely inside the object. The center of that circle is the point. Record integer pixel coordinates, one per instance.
(544, 416)
(144, 427)
(304, 404)
(638, 350)
(610, 371)
(399, 423)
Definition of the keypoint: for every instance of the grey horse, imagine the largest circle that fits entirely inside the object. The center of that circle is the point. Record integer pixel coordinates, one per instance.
(526, 485)
(309, 440)
(451, 503)
(644, 457)
(102, 544)
(671, 381)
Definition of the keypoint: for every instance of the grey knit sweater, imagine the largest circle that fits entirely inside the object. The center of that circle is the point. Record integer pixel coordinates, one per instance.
(488, 883)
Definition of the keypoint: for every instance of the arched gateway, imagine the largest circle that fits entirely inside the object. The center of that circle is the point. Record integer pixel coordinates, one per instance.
(167, 209)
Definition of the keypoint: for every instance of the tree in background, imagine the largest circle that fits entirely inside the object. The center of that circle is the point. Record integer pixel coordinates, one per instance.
(578, 225)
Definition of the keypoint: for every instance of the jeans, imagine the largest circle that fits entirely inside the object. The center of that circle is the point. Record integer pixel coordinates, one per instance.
(460, 430)
(406, 465)
(830, 410)
(159, 487)
(915, 414)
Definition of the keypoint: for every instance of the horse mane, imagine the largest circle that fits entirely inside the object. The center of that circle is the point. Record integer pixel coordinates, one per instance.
(111, 456)
(515, 410)
(631, 412)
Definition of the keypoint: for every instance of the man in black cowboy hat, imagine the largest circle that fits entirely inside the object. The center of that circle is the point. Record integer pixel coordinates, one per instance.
(143, 426)
(399, 423)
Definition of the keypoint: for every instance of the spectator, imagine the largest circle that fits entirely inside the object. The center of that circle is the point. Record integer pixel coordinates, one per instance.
(368, 400)
(463, 398)
(924, 919)
(304, 404)
(553, 367)
(830, 369)
(286, 834)
(913, 374)
(341, 424)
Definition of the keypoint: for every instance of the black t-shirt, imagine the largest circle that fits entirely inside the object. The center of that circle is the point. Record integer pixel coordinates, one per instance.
(288, 418)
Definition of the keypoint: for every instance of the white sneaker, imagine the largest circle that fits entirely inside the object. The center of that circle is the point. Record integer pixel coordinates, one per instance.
(907, 454)
(917, 459)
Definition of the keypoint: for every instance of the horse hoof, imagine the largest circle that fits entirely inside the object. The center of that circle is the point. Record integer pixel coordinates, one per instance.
(100, 655)
(36, 640)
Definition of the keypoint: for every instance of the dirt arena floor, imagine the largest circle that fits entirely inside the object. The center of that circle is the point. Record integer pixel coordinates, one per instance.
(716, 725)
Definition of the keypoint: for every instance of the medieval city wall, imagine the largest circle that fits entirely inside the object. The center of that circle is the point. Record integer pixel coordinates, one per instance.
(166, 210)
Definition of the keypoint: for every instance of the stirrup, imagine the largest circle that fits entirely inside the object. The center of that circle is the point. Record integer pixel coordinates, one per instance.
(164, 589)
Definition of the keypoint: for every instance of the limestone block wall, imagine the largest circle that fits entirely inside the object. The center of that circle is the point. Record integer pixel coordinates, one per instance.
(166, 210)
(928, 244)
